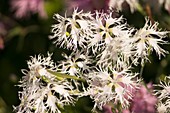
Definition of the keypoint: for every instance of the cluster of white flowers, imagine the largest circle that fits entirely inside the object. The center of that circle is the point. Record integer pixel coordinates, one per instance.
(107, 37)
(103, 51)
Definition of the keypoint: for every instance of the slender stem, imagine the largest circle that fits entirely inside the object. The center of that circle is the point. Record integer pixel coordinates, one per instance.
(140, 9)
(61, 76)
(144, 62)
(141, 70)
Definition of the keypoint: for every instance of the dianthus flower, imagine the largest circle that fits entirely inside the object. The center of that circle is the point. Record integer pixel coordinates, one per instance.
(111, 86)
(111, 38)
(42, 91)
(73, 32)
(106, 28)
(147, 39)
(74, 64)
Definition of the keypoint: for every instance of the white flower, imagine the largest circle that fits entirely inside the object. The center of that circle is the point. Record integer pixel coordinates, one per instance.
(118, 49)
(74, 64)
(111, 86)
(38, 66)
(133, 4)
(111, 39)
(148, 39)
(39, 88)
(73, 32)
(106, 28)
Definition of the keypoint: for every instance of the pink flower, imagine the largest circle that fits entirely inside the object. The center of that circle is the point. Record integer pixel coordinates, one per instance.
(23, 8)
(88, 5)
(143, 101)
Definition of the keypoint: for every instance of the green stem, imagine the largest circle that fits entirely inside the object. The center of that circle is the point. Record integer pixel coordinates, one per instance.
(140, 9)
(61, 76)
(141, 70)
(144, 62)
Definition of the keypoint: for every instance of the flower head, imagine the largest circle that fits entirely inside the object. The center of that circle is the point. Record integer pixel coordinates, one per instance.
(106, 29)
(111, 38)
(148, 39)
(40, 88)
(74, 64)
(73, 32)
(111, 86)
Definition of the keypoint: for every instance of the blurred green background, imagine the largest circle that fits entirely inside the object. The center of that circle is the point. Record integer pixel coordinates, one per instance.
(25, 37)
